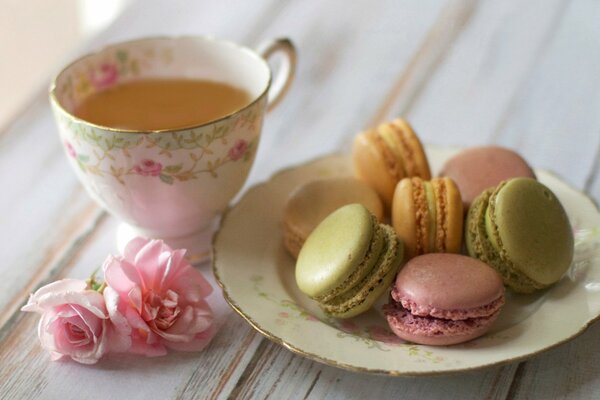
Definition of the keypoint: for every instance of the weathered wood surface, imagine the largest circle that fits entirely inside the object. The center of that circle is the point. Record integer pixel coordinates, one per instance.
(521, 74)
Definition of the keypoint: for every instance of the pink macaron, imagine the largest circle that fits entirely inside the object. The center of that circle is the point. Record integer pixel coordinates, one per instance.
(480, 168)
(442, 299)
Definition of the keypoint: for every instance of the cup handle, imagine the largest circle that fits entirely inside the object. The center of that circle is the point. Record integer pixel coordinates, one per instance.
(284, 77)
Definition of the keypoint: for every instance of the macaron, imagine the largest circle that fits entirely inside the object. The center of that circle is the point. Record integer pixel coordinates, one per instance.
(386, 154)
(428, 216)
(348, 261)
(442, 299)
(521, 229)
(310, 203)
(480, 168)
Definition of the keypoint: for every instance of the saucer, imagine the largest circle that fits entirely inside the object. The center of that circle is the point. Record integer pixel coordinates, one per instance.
(257, 276)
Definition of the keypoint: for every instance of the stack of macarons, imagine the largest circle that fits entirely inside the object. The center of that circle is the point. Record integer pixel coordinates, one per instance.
(516, 234)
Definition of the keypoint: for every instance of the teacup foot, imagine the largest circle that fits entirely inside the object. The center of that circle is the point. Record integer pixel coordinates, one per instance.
(198, 244)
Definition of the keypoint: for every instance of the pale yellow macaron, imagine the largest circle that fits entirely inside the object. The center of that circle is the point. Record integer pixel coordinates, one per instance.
(310, 203)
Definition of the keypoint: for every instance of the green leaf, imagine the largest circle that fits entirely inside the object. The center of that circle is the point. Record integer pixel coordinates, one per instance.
(166, 179)
(83, 158)
(135, 67)
(121, 55)
(173, 169)
(104, 144)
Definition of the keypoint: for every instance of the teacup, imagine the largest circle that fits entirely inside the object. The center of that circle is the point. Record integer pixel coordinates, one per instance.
(169, 184)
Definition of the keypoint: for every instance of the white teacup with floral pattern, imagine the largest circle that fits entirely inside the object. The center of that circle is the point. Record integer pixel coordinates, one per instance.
(169, 184)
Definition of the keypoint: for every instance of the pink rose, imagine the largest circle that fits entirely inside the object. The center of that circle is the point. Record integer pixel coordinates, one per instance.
(238, 150)
(70, 150)
(158, 299)
(105, 76)
(74, 322)
(148, 168)
(383, 335)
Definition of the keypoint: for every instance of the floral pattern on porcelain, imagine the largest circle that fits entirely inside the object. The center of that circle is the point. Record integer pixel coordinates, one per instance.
(373, 336)
(109, 68)
(109, 153)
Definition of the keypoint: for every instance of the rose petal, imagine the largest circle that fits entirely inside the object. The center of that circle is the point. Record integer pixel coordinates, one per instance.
(190, 322)
(133, 247)
(118, 320)
(199, 342)
(121, 275)
(91, 321)
(191, 285)
(157, 262)
(36, 304)
(174, 265)
(88, 299)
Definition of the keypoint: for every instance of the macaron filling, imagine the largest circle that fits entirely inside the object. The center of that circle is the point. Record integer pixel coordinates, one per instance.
(293, 239)
(479, 245)
(423, 218)
(375, 283)
(405, 149)
(432, 214)
(441, 231)
(393, 165)
(364, 268)
(400, 318)
(393, 142)
(425, 310)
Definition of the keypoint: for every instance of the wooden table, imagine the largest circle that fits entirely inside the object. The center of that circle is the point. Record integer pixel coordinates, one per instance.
(520, 74)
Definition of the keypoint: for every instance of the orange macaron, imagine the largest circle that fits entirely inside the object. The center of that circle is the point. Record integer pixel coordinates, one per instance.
(384, 155)
(428, 215)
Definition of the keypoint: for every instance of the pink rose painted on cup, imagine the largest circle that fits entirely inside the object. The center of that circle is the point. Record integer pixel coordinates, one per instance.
(105, 76)
(148, 168)
(381, 334)
(74, 322)
(238, 150)
(70, 150)
(157, 298)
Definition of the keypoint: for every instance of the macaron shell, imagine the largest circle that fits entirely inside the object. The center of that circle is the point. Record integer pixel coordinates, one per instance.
(532, 229)
(448, 282)
(371, 167)
(480, 168)
(334, 250)
(378, 243)
(479, 246)
(404, 216)
(434, 332)
(450, 231)
(366, 292)
(309, 204)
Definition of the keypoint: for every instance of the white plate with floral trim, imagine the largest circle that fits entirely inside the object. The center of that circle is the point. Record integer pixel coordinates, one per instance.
(257, 277)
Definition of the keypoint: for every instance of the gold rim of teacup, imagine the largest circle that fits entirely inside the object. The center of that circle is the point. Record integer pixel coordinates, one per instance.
(247, 50)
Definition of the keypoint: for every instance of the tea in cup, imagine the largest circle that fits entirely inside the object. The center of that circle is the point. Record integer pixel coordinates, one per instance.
(162, 132)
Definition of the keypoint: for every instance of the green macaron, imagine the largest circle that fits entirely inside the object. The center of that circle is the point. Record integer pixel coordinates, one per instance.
(348, 261)
(521, 229)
